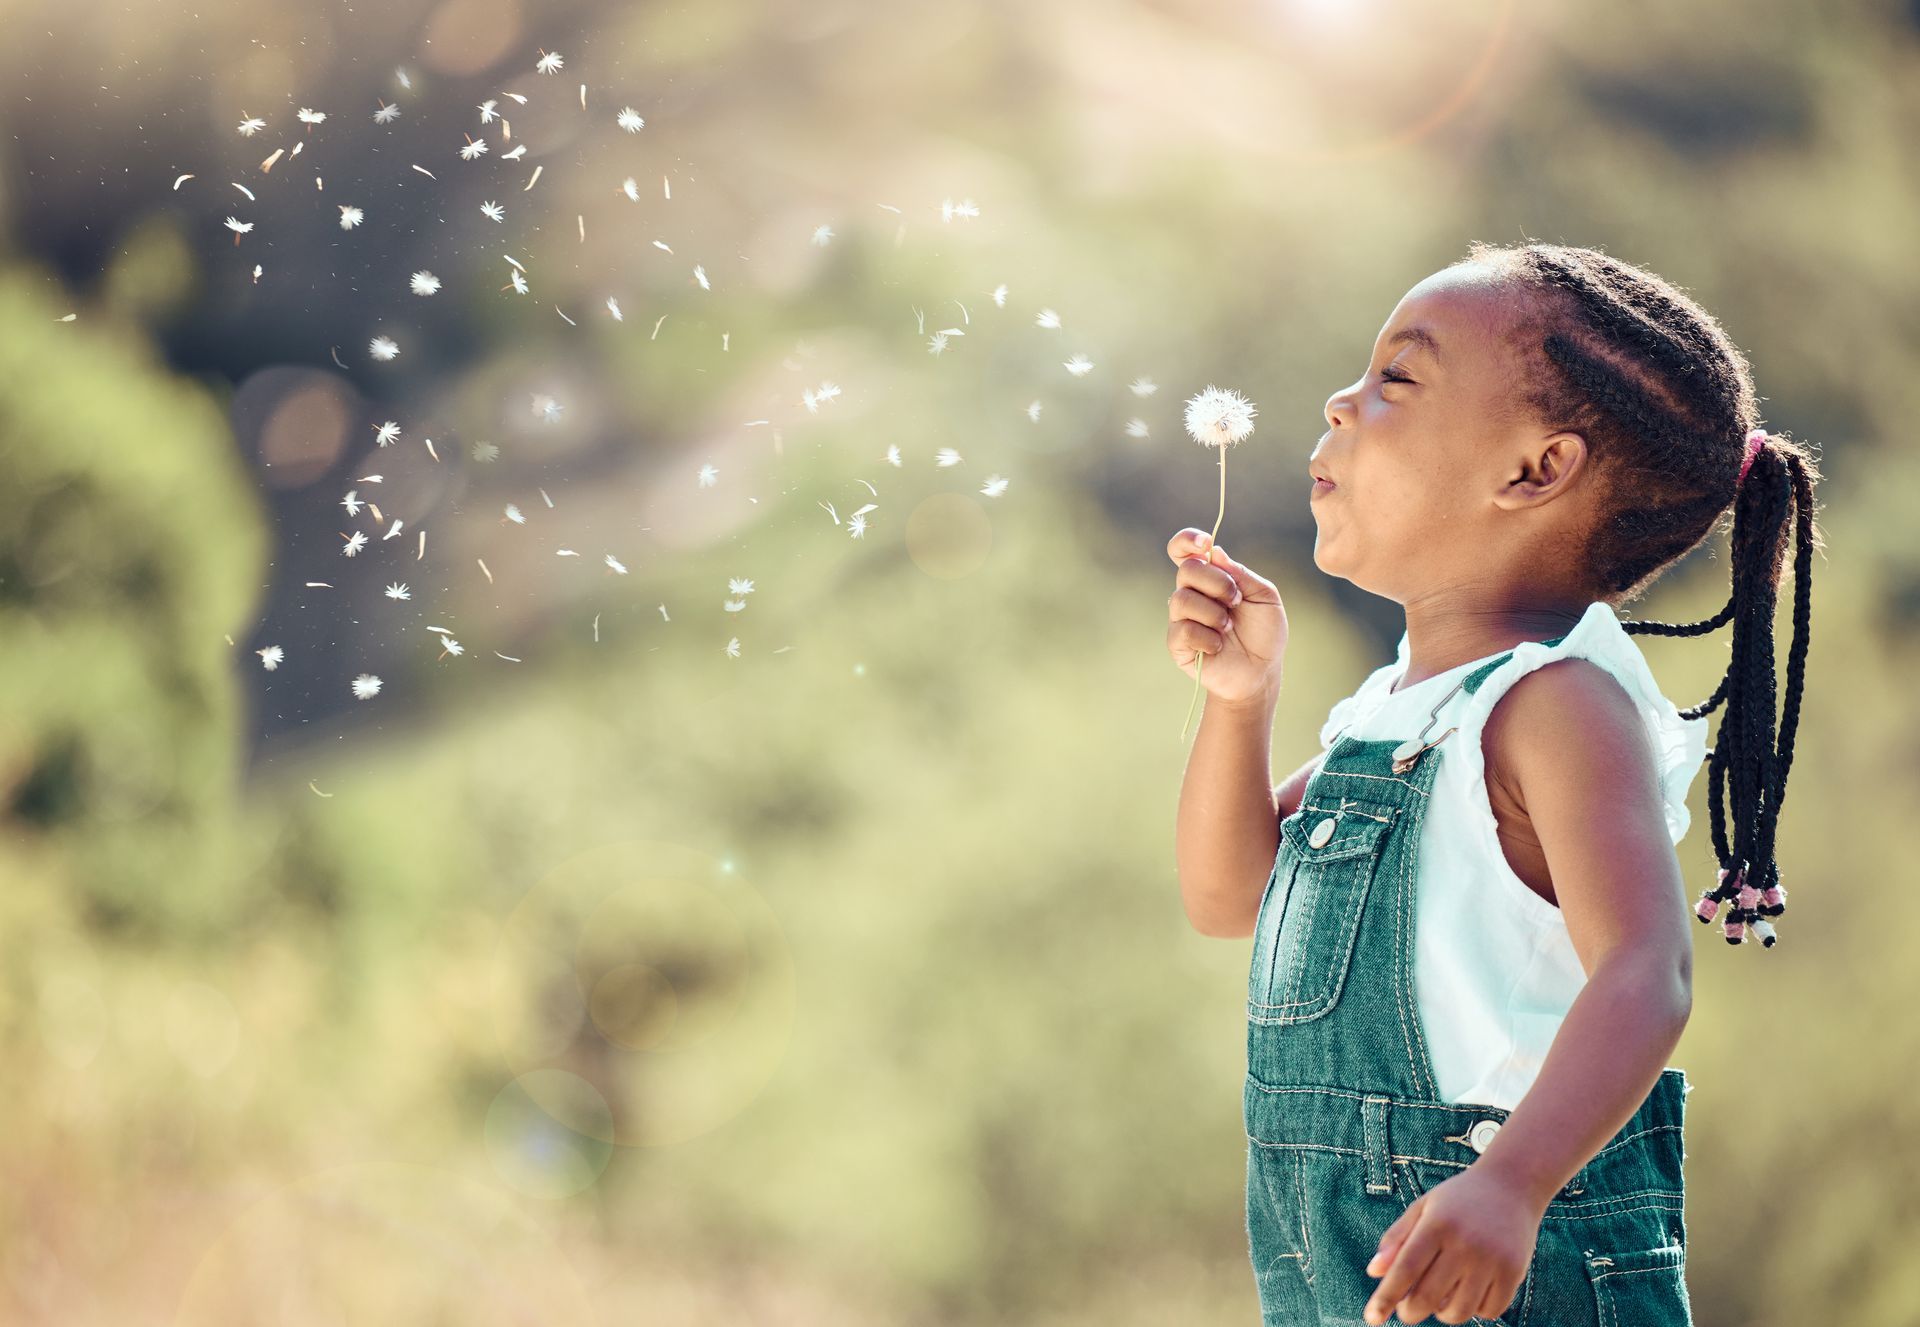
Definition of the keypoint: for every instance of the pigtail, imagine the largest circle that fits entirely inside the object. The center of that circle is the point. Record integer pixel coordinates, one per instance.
(1747, 769)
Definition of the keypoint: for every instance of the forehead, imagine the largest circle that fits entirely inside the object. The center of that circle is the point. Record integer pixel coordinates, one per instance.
(1464, 309)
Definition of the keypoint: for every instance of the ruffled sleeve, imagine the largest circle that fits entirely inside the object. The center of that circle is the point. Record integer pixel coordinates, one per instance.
(1679, 745)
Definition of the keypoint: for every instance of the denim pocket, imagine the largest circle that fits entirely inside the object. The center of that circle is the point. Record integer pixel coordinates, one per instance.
(1310, 914)
(1641, 1286)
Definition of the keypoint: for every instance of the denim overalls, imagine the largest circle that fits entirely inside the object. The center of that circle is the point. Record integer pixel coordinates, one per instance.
(1344, 1126)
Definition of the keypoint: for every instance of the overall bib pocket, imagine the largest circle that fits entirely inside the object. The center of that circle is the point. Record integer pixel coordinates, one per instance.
(1310, 915)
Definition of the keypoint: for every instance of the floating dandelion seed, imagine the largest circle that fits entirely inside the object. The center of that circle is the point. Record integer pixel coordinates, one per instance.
(1143, 387)
(1033, 411)
(707, 476)
(1218, 417)
(631, 188)
(476, 147)
(1136, 428)
(352, 503)
(822, 234)
(936, 343)
(1000, 295)
(383, 347)
(387, 114)
(513, 513)
(251, 126)
(399, 591)
(355, 542)
(549, 62)
(629, 120)
(238, 227)
(386, 433)
(735, 585)
(732, 648)
(366, 686)
(1047, 318)
(424, 282)
(515, 155)
(616, 564)
(1079, 366)
(613, 307)
(733, 605)
(950, 209)
(310, 118)
(487, 112)
(270, 657)
(448, 645)
(994, 487)
(893, 455)
(700, 275)
(485, 451)
(350, 216)
(517, 281)
(946, 456)
(492, 211)
(856, 525)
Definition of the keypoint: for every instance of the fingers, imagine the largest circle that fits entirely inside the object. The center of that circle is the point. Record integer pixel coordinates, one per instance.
(1409, 1265)
(1464, 1300)
(1395, 1236)
(1189, 543)
(1194, 638)
(1190, 605)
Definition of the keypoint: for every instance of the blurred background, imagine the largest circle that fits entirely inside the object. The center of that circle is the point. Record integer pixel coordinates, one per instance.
(682, 831)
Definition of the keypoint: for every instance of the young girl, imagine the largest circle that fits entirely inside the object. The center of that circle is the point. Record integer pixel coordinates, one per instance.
(1471, 954)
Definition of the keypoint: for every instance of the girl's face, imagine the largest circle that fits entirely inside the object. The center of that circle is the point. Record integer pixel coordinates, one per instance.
(1430, 458)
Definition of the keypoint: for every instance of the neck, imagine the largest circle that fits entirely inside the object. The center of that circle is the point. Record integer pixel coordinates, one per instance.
(1443, 633)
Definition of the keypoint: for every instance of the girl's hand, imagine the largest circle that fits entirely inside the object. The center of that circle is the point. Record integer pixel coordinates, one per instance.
(1229, 613)
(1461, 1249)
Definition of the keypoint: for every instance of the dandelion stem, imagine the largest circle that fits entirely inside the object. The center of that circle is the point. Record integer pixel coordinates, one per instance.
(1200, 659)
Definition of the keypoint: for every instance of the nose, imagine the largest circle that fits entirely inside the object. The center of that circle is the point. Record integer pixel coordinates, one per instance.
(1337, 410)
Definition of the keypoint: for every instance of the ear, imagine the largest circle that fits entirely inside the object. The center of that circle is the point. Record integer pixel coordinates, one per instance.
(1542, 470)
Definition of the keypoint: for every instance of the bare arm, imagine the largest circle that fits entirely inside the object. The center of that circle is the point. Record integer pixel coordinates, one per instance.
(1228, 829)
(1618, 882)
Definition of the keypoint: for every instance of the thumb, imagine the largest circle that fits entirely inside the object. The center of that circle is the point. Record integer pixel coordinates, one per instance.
(1396, 1236)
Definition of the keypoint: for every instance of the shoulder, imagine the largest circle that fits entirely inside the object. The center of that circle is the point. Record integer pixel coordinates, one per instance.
(1569, 720)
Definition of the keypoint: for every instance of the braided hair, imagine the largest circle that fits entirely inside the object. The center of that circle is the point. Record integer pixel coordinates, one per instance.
(1666, 404)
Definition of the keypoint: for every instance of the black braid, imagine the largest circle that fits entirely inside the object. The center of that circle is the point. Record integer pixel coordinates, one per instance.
(1665, 401)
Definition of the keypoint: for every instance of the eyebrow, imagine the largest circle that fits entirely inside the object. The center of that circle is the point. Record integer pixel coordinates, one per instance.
(1420, 336)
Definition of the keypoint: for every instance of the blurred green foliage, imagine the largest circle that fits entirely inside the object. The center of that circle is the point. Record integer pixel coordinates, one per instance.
(898, 1018)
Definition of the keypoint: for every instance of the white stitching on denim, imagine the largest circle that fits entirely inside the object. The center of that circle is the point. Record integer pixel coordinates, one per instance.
(1300, 1203)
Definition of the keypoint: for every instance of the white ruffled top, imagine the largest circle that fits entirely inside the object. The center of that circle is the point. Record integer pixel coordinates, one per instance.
(1495, 970)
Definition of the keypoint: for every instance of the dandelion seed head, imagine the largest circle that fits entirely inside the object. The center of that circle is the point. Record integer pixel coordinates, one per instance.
(1219, 417)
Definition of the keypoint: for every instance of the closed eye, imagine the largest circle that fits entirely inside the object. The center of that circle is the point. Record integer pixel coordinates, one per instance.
(1389, 374)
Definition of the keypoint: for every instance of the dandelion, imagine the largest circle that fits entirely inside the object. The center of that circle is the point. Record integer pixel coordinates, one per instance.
(492, 211)
(733, 605)
(936, 343)
(448, 645)
(350, 216)
(355, 542)
(352, 502)
(1218, 417)
(366, 686)
(1047, 318)
(399, 591)
(1000, 295)
(549, 61)
(946, 456)
(1033, 411)
(270, 657)
(487, 112)
(515, 155)
(629, 120)
(700, 275)
(732, 648)
(631, 188)
(893, 455)
(476, 147)
(386, 433)
(707, 476)
(822, 234)
(485, 451)
(518, 281)
(1136, 428)
(616, 564)
(950, 209)
(856, 525)
(387, 114)
(251, 126)
(310, 118)
(238, 227)
(613, 307)
(424, 282)
(735, 585)
(1078, 366)
(994, 487)
(383, 347)
(512, 513)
